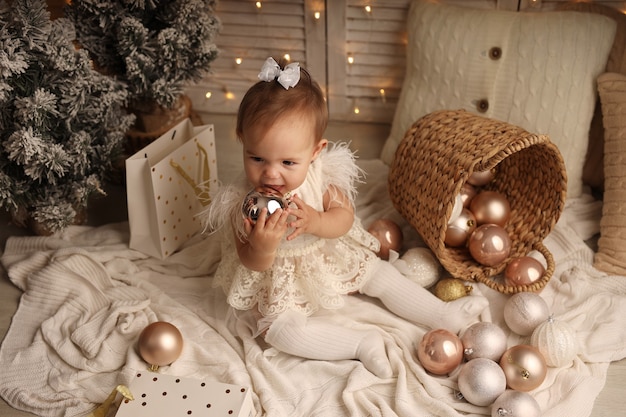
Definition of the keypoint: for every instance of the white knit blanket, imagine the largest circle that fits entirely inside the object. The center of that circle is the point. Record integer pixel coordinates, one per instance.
(87, 297)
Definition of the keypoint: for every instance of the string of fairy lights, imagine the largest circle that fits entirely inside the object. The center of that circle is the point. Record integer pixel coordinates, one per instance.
(318, 8)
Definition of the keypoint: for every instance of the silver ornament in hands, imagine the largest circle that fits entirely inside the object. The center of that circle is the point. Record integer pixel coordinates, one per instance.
(258, 199)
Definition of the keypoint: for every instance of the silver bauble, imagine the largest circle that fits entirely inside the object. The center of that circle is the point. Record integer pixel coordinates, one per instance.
(515, 404)
(481, 381)
(524, 311)
(484, 340)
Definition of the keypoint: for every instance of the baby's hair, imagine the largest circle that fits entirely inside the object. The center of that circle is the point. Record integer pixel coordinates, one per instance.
(265, 102)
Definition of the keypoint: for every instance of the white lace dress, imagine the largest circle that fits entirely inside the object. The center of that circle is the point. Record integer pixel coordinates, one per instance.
(309, 273)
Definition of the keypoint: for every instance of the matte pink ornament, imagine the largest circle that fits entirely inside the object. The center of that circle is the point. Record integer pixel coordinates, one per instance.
(389, 234)
(460, 229)
(481, 381)
(523, 271)
(468, 192)
(483, 340)
(524, 366)
(489, 244)
(160, 344)
(524, 311)
(440, 351)
(515, 404)
(480, 178)
(490, 207)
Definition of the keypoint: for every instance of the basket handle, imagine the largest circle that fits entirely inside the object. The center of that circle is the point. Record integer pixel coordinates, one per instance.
(536, 286)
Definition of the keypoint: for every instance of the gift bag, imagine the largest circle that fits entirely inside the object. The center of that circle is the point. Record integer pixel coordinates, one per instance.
(168, 184)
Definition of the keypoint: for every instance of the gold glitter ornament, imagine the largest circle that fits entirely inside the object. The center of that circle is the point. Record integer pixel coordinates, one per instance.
(450, 289)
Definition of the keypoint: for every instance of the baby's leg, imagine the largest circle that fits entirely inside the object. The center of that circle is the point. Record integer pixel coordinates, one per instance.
(317, 338)
(413, 302)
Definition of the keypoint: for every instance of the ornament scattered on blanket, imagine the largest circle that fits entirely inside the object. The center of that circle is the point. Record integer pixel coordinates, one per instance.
(524, 311)
(483, 340)
(450, 289)
(523, 271)
(489, 244)
(556, 340)
(440, 351)
(389, 234)
(480, 178)
(481, 381)
(160, 344)
(420, 265)
(258, 199)
(515, 404)
(524, 366)
(460, 229)
(490, 207)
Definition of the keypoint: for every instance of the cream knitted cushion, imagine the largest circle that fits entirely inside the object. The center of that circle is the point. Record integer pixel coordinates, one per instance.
(611, 255)
(534, 70)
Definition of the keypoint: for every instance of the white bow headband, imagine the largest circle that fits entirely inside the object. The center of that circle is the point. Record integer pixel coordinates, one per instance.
(288, 77)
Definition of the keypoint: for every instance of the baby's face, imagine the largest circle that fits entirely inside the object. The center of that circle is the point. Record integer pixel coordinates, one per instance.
(280, 158)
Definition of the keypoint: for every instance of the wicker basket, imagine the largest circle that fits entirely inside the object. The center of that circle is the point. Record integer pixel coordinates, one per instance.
(436, 157)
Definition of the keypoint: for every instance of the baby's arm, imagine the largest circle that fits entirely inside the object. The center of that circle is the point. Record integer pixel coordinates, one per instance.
(334, 221)
(258, 251)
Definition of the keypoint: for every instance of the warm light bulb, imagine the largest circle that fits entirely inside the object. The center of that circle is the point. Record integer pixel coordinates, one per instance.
(382, 95)
(368, 9)
(356, 110)
(287, 57)
(317, 15)
(238, 61)
(208, 95)
(229, 95)
(350, 59)
(258, 4)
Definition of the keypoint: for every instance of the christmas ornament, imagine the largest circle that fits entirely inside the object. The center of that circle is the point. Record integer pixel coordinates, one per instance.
(468, 192)
(160, 344)
(556, 340)
(524, 311)
(450, 289)
(523, 271)
(388, 234)
(489, 244)
(420, 265)
(524, 366)
(256, 200)
(484, 340)
(490, 207)
(515, 404)
(440, 351)
(459, 229)
(481, 381)
(480, 178)
(456, 209)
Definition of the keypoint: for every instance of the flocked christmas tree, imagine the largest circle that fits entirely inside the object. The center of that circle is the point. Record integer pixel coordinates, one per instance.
(61, 122)
(156, 47)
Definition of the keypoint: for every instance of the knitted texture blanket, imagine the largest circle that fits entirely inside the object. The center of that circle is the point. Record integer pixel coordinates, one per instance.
(87, 296)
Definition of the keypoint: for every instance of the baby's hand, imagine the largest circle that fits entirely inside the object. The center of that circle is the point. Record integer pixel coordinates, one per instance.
(307, 218)
(266, 234)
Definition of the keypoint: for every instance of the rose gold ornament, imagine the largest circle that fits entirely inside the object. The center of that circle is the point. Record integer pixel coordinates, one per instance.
(556, 340)
(481, 381)
(524, 311)
(490, 207)
(483, 340)
(515, 404)
(450, 289)
(459, 230)
(524, 366)
(489, 244)
(480, 178)
(388, 234)
(523, 271)
(468, 192)
(160, 344)
(440, 351)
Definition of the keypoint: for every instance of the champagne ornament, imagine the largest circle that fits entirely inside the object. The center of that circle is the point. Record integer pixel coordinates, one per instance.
(556, 340)
(440, 351)
(483, 340)
(524, 366)
(460, 229)
(490, 207)
(160, 344)
(489, 244)
(480, 178)
(523, 271)
(389, 234)
(524, 311)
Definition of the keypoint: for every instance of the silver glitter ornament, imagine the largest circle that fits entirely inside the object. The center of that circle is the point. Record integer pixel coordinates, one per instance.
(515, 404)
(484, 340)
(524, 311)
(481, 381)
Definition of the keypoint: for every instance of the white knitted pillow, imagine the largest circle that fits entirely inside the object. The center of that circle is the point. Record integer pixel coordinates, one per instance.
(534, 70)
